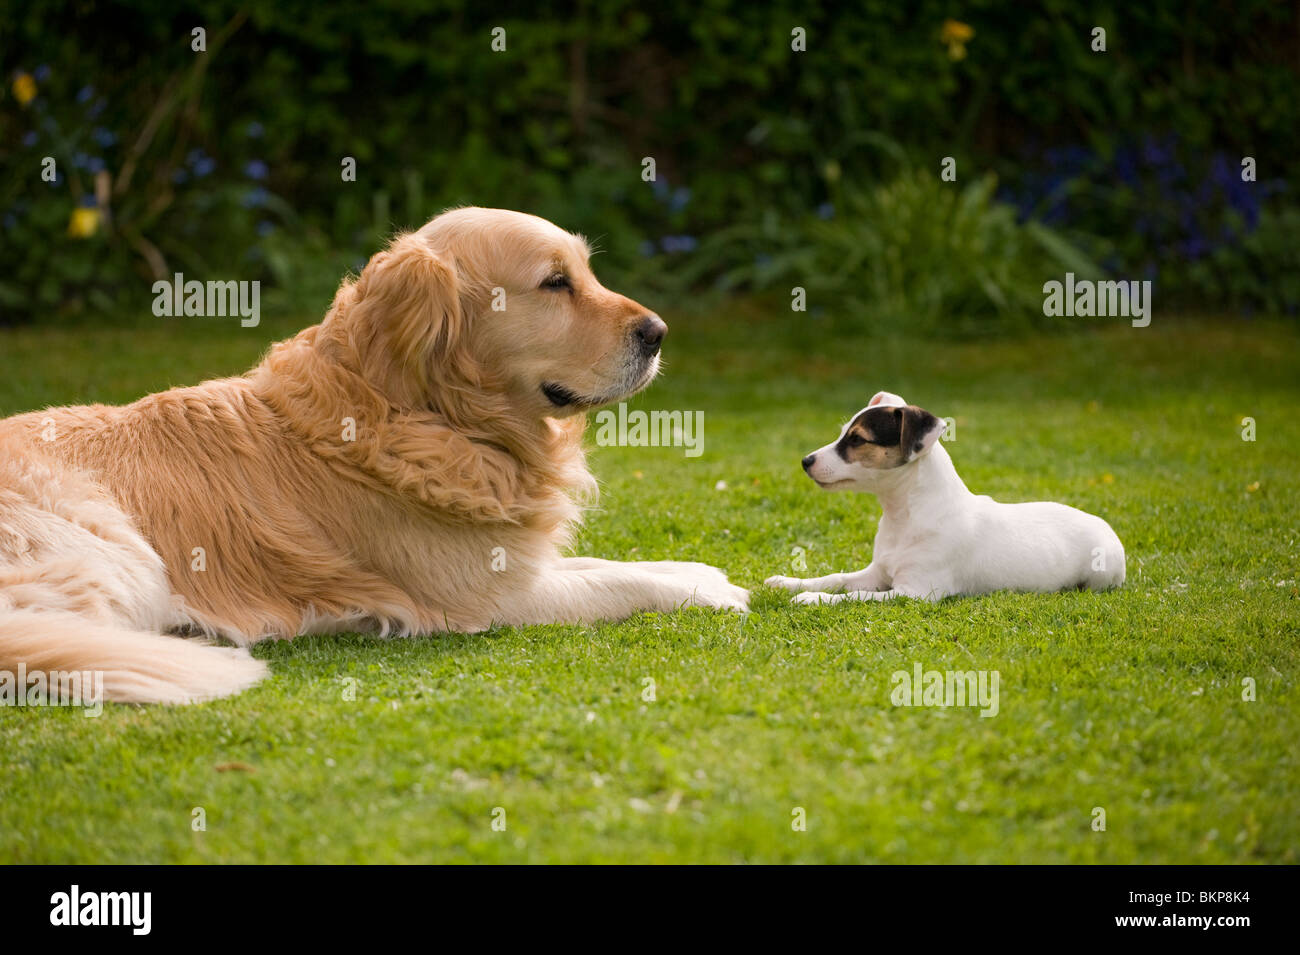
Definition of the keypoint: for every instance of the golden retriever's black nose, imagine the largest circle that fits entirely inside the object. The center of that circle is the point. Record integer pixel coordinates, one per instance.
(650, 333)
(808, 461)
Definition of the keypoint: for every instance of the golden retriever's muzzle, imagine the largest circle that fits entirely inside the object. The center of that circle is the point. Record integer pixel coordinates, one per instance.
(639, 369)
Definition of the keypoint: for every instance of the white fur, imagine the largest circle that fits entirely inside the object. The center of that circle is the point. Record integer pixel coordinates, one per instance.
(937, 539)
(81, 589)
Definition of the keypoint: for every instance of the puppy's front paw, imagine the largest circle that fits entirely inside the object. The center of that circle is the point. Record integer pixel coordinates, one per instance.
(786, 583)
(816, 597)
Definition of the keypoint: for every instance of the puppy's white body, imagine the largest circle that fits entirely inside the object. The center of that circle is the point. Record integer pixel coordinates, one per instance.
(936, 539)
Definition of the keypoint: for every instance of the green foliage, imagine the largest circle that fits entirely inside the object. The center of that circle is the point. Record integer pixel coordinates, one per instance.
(916, 254)
(132, 156)
(1260, 273)
(743, 129)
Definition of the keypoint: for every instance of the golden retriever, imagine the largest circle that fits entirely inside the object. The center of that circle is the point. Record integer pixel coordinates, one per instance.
(412, 464)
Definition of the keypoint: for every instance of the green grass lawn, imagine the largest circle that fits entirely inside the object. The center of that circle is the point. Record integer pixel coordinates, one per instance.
(1130, 701)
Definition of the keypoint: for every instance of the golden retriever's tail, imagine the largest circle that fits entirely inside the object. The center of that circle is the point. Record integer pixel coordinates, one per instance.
(136, 667)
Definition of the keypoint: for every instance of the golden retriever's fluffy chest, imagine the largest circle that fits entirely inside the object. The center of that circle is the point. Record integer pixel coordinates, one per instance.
(266, 531)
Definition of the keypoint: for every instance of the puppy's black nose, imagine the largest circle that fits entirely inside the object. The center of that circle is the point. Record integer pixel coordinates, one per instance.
(808, 461)
(650, 334)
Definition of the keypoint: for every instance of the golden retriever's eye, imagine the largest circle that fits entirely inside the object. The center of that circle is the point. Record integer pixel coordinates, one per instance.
(558, 281)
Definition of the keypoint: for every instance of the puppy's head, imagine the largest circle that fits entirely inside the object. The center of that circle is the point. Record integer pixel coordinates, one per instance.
(884, 436)
(509, 302)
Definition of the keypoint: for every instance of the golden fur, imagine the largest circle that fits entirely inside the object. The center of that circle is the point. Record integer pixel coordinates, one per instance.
(400, 467)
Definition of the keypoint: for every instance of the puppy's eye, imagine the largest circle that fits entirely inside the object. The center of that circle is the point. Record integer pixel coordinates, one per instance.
(855, 440)
(558, 281)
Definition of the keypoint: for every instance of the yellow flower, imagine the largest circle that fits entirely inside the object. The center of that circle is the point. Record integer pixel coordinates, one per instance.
(955, 35)
(24, 88)
(84, 222)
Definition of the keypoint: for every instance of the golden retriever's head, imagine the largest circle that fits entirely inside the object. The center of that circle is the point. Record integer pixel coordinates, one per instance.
(503, 304)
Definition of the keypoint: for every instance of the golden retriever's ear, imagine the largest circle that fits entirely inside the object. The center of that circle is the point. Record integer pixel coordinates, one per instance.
(405, 314)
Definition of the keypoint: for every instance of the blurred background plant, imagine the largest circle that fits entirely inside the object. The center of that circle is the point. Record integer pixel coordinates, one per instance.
(775, 168)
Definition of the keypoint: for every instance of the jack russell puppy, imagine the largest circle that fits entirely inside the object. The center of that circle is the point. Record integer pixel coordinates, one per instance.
(937, 539)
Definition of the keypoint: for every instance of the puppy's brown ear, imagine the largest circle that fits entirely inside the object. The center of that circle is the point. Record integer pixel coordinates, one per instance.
(918, 430)
(406, 314)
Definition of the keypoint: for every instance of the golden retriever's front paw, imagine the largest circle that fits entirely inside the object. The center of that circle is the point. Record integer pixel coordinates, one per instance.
(719, 595)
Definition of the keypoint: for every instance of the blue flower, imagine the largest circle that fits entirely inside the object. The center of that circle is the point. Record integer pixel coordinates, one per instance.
(85, 93)
(87, 201)
(179, 176)
(255, 169)
(678, 243)
(265, 228)
(1126, 167)
(200, 163)
(94, 165)
(255, 130)
(681, 198)
(41, 73)
(647, 249)
(1221, 173)
(104, 137)
(1194, 247)
(29, 138)
(826, 211)
(1158, 152)
(254, 198)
